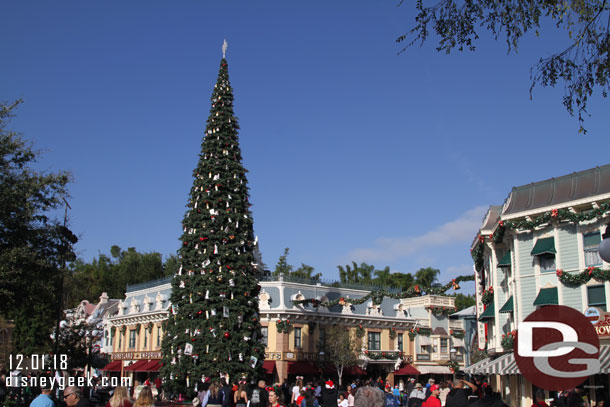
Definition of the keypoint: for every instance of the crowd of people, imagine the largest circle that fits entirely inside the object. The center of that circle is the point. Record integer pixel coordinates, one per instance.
(460, 392)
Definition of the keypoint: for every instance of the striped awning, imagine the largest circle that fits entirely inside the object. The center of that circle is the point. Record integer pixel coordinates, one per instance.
(508, 306)
(506, 260)
(424, 340)
(476, 368)
(604, 359)
(497, 365)
(458, 342)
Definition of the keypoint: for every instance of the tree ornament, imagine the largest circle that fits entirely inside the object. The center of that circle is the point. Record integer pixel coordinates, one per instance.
(227, 335)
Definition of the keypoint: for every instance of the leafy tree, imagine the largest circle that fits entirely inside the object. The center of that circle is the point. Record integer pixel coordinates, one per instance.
(214, 326)
(404, 281)
(31, 245)
(426, 277)
(358, 274)
(282, 266)
(304, 272)
(111, 274)
(463, 301)
(583, 65)
(343, 348)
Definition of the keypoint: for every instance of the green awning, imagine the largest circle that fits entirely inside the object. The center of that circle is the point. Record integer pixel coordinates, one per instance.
(508, 306)
(542, 246)
(489, 313)
(505, 260)
(547, 296)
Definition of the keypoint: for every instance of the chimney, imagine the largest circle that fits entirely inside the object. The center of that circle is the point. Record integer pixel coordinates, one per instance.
(103, 298)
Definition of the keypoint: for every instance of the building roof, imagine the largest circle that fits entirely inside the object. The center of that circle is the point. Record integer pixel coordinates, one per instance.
(466, 312)
(555, 191)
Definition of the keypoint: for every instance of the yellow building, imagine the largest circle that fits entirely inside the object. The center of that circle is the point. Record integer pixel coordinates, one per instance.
(133, 335)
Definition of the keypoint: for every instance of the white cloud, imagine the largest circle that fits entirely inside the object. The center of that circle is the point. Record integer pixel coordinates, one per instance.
(461, 230)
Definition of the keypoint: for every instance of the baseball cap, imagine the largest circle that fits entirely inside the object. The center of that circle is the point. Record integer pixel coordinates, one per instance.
(434, 387)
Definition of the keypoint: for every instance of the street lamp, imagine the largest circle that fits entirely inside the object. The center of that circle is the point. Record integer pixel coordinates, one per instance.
(604, 246)
(453, 357)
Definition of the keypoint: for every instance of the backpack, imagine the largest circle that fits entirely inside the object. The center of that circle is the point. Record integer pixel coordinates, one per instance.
(390, 401)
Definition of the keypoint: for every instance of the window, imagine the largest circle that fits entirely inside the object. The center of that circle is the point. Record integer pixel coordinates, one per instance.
(597, 296)
(399, 338)
(297, 337)
(106, 339)
(374, 340)
(591, 243)
(132, 338)
(145, 338)
(547, 262)
(424, 349)
(435, 345)
(322, 344)
(444, 343)
(158, 336)
(265, 334)
(120, 340)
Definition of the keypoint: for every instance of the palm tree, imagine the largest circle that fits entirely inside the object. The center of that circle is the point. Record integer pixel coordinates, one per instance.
(425, 278)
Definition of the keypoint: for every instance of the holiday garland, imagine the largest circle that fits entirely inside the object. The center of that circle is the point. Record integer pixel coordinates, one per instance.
(393, 333)
(378, 296)
(283, 326)
(377, 355)
(560, 215)
(419, 331)
(578, 279)
(458, 334)
(441, 310)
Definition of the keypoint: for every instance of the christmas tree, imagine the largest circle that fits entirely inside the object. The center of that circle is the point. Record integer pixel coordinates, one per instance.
(213, 327)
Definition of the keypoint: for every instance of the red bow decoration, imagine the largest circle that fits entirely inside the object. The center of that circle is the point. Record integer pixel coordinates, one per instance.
(554, 213)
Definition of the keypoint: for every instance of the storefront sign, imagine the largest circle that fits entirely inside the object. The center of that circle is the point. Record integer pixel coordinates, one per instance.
(600, 321)
(135, 355)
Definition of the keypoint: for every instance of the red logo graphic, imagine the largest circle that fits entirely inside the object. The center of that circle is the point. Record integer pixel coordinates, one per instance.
(557, 348)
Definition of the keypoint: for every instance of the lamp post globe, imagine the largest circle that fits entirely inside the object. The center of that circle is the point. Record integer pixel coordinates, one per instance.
(604, 249)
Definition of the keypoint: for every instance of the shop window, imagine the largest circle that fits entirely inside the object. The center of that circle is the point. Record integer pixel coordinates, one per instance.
(132, 338)
(265, 334)
(591, 243)
(597, 296)
(399, 339)
(374, 341)
(297, 337)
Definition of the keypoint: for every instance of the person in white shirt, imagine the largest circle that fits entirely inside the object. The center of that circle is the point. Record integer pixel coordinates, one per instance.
(350, 396)
(296, 389)
(342, 402)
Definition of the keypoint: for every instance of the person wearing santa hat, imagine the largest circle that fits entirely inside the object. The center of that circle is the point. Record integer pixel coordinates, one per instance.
(329, 394)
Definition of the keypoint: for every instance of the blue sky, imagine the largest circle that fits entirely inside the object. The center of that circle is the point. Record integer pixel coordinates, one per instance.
(354, 152)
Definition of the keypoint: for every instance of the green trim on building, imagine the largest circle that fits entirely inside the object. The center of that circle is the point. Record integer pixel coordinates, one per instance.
(508, 306)
(547, 296)
(545, 245)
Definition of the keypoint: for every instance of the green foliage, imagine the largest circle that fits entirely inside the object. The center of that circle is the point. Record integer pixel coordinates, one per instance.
(111, 274)
(583, 65)
(357, 274)
(31, 246)
(304, 271)
(463, 301)
(426, 277)
(214, 306)
(342, 349)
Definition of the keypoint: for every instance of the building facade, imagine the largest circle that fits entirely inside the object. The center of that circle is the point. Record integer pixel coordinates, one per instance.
(534, 251)
(396, 334)
(133, 335)
(413, 332)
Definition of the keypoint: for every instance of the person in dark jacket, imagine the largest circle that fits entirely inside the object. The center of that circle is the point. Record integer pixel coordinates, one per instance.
(489, 399)
(458, 395)
(329, 394)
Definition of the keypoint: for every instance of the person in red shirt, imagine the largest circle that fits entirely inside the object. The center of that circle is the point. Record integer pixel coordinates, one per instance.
(433, 400)
(540, 399)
